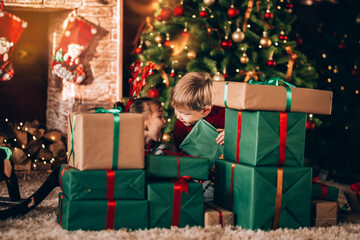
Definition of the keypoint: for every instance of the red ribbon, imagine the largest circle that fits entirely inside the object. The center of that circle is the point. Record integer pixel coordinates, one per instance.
(238, 137)
(356, 188)
(110, 215)
(110, 184)
(180, 185)
(282, 138)
(178, 154)
(324, 188)
(220, 215)
(61, 176)
(61, 204)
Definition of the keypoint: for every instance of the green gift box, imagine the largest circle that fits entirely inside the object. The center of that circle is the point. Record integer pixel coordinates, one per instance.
(103, 214)
(263, 138)
(164, 201)
(102, 184)
(324, 192)
(253, 194)
(166, 166)
(203, 136)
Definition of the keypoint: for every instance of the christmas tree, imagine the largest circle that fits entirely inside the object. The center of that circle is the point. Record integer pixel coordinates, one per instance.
(330, 35)
(233, 40)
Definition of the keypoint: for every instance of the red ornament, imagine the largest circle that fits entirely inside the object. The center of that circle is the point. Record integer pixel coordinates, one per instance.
(167, 43)
(233, 12)
(342, 45)
(139, 50)
(310, 125)
(289, 6)
(299, 41)
(204, 14)
(283, 37)
(268, 15)
(354, 72)
(154, 93)
(226, 44)
(179, 10)
(172, 74)
(226, 76)
(271, 63)
(165, 14)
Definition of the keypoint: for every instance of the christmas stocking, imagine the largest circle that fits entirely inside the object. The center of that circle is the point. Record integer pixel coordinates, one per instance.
(75, 39)
(11, 28)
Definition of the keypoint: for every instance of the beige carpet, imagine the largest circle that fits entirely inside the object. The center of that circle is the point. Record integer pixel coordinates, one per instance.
(40, 223)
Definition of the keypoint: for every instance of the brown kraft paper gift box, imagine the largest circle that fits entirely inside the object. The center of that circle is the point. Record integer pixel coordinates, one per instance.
(214, 215)
(244, 96)
(93, 139)
(323, 213)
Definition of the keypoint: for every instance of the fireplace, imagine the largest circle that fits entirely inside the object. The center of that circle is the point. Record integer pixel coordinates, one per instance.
(34, 91)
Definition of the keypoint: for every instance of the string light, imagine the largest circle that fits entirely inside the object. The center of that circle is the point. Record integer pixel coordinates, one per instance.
(329, 80)
(323, 55)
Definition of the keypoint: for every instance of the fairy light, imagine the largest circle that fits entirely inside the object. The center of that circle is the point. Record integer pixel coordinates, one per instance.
(248, 26)
(18, 127)
(15, 139)
(26, 129)
(194, 16)
(276, 43)
(164, 80)
(29, 155)
(356, 91)
(211, 16)
(260, 46)
(43, 145)
(23, 146)
(6, 120)
(329, 67)
(169, 120)
(52, 138)
(34, 137)
(342, 88)
(329, 80)
(323, 55)
(21, 124)
(237, 70)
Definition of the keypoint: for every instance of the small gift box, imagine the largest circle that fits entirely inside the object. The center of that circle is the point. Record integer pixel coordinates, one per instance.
(323, 213)
(215, 215)
(264, 197)
(102, 184)
(169, 166)
(102, 214)
(324, 192)
(263, 138)
(104, 139)
(203, 136)
(245, 96)
(178, 203)
(353, 197)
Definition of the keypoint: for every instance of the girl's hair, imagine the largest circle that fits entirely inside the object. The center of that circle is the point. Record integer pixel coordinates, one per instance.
(142, 105)
(194, 90)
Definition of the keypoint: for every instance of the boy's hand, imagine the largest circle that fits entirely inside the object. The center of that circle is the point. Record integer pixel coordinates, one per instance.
(220, 137)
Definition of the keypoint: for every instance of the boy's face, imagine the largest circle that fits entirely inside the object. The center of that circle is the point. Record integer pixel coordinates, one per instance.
(189, 117)
(155, 124)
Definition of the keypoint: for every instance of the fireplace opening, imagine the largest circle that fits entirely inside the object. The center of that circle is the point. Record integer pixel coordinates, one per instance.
(23, 98)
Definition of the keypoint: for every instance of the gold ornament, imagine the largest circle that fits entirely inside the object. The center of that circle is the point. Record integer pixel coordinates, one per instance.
(158, 38)
(244, 58)
(238, 36)
(166, 137)
(265, 41)
(191, 54)
(208, 2)
(218, 77)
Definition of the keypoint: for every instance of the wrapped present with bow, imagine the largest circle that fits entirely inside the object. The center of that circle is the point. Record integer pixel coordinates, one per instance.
(264, 138)
(175, 165)
(102, 184)
(271, 96)
(215, 215)
(324, 213)
(353, 197)
(264, 197)
(101, 139)
(203, 136)
(96, 215)
(323, 191)
(178, 203)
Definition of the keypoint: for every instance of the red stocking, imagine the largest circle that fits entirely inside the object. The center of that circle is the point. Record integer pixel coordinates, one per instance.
(11, 28)
(75, 39)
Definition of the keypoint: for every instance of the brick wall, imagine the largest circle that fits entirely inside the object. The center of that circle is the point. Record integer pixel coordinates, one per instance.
(102, 59)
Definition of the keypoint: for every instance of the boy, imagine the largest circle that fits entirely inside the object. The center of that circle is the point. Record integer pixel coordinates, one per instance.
(192, 99)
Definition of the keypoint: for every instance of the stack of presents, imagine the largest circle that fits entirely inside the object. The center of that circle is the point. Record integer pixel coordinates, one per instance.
(260, 182)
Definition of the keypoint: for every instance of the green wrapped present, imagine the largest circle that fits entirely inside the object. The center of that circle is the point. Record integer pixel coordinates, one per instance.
(167, 166)
(178, 203)
(324, 192)
(103, 214)
(102, 184)
(261, 138)
(203, 136)
(264, 197)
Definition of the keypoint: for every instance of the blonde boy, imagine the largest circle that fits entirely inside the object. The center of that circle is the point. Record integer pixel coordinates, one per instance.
(192, 99)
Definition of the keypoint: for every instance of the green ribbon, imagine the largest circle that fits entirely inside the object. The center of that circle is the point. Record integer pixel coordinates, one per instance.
(8, 152)
(226, 93)
(115, 112)
(275, 82)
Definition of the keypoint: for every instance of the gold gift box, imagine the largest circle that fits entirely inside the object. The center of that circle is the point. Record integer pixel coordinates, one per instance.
(213, 214)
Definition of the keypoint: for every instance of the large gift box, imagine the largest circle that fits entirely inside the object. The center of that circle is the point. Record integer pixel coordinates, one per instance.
(167, 166)
(102, 184)
(244, 96)
(102, 214)
(215, 215)
(264, 197)
(323, 213)
(261, 138)
(203, 136)
(178, 203)
(324, 192)
(98, 140)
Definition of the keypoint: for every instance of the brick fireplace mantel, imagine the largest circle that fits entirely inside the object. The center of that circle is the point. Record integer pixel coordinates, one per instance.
(102, 59)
